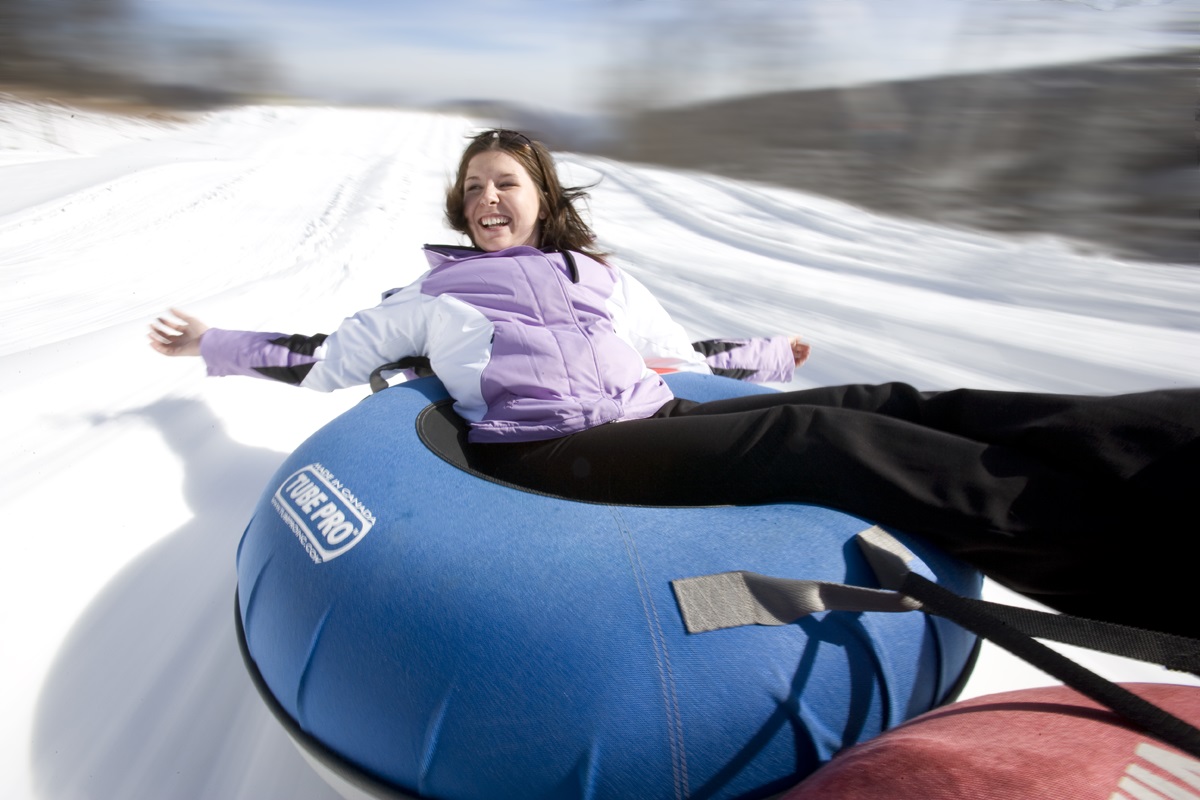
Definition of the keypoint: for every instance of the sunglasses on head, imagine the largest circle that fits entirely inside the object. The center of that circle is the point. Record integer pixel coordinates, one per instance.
(505, 136)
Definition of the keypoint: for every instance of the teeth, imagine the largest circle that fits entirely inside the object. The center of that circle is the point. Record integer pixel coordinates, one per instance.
(491, 222)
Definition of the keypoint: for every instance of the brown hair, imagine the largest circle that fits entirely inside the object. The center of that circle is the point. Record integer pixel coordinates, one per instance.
(562, 228)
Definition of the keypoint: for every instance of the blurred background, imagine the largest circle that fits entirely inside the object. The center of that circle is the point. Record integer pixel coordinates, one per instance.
(1074, 118)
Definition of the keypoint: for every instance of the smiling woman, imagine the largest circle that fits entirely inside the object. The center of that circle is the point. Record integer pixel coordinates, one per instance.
(507, 193)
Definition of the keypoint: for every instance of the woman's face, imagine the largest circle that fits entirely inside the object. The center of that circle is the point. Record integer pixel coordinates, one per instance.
(500, 202)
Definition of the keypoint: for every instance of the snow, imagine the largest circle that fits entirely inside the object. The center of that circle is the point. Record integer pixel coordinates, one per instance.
(129, 477)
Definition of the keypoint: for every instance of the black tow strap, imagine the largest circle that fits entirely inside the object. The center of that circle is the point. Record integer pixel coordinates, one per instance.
(733, 599)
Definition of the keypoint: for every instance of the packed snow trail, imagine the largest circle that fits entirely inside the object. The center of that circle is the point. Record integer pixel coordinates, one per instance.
(128, 477)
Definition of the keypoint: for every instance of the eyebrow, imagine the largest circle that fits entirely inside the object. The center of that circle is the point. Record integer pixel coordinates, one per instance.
(470, 178)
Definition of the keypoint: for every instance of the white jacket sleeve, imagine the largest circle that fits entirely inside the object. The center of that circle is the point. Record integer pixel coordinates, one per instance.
(641, 320)
(394, 329)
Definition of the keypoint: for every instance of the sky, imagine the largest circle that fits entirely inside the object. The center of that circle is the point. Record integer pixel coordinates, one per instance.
(587, 55)
(128, 477)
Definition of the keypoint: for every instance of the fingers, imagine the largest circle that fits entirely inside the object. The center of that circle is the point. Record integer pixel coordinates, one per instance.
(187, 319)
(163, 340)
(190, 324)
(168, 327)
(166, 330)
(161, 345)
(176, 335)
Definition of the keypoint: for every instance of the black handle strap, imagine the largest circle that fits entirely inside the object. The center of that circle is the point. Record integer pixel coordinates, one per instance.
(979, 618)
(732, 599)
(1174, 652)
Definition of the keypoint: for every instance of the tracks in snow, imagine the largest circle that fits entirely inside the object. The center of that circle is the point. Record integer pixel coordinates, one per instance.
(211, 210)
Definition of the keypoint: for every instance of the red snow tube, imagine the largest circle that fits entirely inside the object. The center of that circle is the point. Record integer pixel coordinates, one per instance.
(1050, 743)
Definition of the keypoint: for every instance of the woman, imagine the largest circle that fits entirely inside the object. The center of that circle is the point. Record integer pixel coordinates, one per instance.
(542, 344)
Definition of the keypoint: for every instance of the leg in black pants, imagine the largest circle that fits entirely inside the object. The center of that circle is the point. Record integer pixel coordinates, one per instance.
(1059, 497)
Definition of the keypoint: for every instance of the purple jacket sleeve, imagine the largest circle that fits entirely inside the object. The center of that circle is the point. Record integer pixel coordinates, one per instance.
(277, 356)
(759, 360)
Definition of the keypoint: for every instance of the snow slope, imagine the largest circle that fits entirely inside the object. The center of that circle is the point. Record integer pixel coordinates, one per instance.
(128, 477)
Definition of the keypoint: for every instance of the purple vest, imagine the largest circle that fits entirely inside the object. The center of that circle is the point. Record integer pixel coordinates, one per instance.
(557, 366)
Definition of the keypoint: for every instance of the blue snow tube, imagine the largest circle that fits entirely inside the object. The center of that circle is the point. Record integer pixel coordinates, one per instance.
(422, 631)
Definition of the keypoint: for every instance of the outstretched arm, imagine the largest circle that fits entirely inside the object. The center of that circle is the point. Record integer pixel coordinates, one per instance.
(761, 360)
(665, 347)
(257, 354)
(385, 334)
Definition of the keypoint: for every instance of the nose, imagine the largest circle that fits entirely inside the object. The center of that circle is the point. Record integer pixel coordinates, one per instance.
(489, 196)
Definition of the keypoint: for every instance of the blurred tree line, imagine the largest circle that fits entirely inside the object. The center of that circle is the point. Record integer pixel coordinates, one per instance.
(1102, 152)
(108, 49)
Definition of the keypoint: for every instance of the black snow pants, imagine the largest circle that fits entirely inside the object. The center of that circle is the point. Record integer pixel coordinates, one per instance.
(1081, 502)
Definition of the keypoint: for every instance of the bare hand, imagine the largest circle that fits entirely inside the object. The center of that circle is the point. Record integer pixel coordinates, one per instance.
(177, 335)
(800, 350)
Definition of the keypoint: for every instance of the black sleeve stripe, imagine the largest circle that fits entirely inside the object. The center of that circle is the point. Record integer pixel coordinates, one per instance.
(710, 347)
(736, 374)
(301, 345)
(293, 375)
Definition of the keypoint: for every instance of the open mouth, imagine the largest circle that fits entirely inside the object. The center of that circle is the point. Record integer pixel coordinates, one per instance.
(493, 222)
